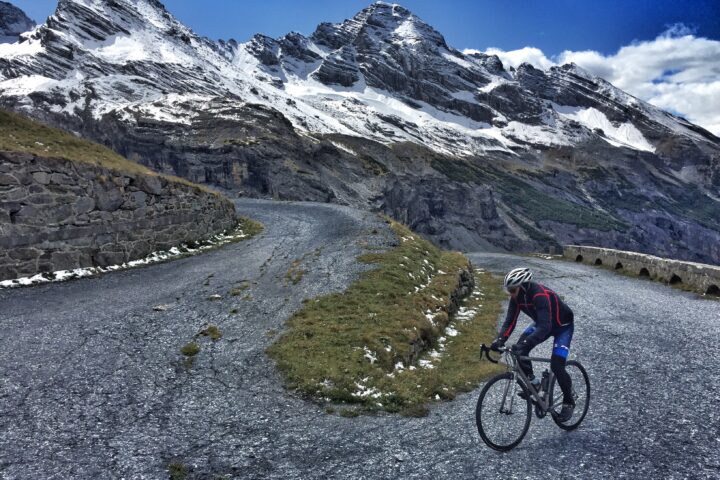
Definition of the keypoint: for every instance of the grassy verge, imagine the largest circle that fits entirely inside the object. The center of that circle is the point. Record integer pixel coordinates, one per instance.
(387, 343)
(21, 134)
(250, 227)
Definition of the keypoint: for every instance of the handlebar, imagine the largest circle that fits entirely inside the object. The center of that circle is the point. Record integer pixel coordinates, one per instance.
(486, 350)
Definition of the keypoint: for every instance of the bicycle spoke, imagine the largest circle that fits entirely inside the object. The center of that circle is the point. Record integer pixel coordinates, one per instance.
(580, 392)
(502, 418)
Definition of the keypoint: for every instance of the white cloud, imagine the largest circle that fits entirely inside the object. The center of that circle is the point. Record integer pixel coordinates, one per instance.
(514, 58)
(676, 71)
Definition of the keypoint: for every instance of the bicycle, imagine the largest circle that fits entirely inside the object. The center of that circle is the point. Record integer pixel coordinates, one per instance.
(499, 406)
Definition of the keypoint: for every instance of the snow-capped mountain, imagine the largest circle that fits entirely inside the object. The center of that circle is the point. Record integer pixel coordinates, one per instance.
(378, 110)
(13, 22)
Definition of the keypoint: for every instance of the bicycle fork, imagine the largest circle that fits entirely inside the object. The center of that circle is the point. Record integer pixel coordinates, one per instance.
(509, 409)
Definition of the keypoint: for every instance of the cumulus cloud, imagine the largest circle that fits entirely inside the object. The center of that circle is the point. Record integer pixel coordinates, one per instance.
(676, 71)
(514, 58)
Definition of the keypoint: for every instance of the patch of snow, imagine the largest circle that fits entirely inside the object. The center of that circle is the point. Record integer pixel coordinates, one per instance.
(464, 95)
(425, 364)
(625, 134)
(496, 82)
(407, 33)
(534, 134)
(28, 47)
(457, 60)
(155, 257)
(370, 355)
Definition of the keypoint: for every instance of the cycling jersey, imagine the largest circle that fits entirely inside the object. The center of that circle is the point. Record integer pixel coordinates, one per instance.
(543, 306)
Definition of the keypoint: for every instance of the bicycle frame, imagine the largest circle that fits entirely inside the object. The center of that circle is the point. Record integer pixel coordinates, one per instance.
(513, 363)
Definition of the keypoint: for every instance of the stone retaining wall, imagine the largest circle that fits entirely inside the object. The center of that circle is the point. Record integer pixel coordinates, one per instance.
(59, 215)
(702, 278)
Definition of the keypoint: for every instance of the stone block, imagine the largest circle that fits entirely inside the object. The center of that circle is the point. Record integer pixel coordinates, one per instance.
(41, 199)
(8, 179)
(139, 249)
(8, 272)
(136, 199)
(107, 258)
(65, 260)
(61, 179)
(107, 198)
(35, 188)
(85, 257)
(28, 214)
(149, 184)
(59, 214)
(17, 194)
(24, 254)
(84, 205)
(140, 213)
(42, 178)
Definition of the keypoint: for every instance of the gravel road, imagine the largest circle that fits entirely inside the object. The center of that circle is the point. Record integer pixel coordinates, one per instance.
(92, 384)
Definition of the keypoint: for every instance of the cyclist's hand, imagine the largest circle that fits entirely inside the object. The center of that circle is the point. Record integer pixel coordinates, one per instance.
(497, 344)
(519, 348)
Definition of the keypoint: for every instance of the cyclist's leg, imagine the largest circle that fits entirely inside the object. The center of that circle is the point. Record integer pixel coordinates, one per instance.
(561, 349)
(526, 365)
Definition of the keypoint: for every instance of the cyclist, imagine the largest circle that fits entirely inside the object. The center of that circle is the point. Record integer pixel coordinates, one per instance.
(552, 318)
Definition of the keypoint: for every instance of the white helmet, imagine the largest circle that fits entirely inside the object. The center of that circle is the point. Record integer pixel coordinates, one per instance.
(517, 276)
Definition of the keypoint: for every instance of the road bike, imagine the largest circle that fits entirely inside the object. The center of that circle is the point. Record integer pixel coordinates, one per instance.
(503, 416)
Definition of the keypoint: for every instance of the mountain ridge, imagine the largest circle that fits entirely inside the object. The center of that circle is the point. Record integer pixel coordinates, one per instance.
(376, 111)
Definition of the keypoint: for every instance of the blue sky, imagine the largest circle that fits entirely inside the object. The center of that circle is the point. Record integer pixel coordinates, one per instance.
(550, 25)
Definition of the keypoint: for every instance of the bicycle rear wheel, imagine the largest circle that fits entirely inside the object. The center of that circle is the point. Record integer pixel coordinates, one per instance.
(581, 394)
(502, 417)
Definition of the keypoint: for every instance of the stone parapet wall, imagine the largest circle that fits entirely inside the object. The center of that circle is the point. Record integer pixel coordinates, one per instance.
(702, 278)
(59, 215)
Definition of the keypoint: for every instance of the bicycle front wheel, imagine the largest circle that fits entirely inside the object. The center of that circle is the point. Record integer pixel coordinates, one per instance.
(502, 417)
(580, 392)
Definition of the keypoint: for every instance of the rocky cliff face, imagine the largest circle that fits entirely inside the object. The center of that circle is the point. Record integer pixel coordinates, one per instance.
(60, 215)
(378, 111)
(13, 22)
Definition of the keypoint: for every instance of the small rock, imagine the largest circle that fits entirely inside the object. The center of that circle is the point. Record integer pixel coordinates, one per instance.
(215, 297)
(161, 308)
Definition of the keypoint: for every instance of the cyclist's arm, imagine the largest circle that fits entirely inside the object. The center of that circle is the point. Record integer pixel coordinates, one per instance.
(510, 320)
(542, 323)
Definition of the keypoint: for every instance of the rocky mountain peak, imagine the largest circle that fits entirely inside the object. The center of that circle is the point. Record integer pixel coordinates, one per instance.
(379, 22)
(13, 22)
(97, 19)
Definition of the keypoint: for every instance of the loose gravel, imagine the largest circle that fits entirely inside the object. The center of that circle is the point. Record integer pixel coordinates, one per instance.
(93, 384)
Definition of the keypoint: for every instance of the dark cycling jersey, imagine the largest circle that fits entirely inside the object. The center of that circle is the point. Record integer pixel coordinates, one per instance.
(543, 306)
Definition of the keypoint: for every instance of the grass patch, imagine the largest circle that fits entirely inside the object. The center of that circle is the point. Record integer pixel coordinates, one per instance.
(211, 331)
(383, 343)
(177, 471)
(237, 291)
(250, 227)
(533, 232)
(190, 350)
(22, 134)
(295, 273)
